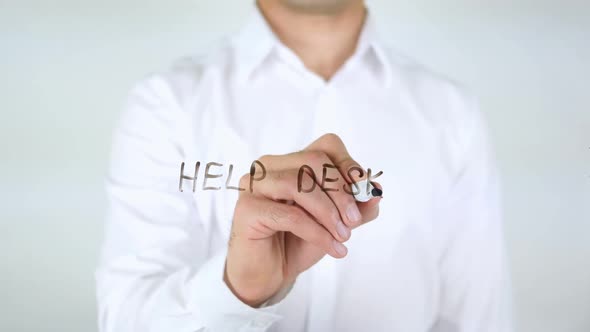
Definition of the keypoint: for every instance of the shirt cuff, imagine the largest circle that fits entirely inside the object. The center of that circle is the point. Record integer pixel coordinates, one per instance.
(220, 310)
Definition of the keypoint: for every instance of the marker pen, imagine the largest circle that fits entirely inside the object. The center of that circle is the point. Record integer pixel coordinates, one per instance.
(363, 195)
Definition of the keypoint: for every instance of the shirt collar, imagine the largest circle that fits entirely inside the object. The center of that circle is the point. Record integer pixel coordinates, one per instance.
(256, 40)
(253, 43)
(370, 44)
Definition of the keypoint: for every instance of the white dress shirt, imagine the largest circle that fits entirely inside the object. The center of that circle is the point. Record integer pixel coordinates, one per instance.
(432, 261)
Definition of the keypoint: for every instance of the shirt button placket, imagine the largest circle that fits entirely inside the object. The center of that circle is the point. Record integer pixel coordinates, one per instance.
(324, 278)
(324, 112)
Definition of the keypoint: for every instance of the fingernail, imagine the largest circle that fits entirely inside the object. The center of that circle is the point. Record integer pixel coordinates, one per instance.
(339, 247)
(353, 213)
(342, 230)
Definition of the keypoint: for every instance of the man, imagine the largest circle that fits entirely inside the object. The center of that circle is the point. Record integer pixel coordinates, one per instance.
(305, 97)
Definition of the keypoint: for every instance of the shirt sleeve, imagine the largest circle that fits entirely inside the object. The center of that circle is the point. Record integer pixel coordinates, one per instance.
(474, 277)
(156, 272)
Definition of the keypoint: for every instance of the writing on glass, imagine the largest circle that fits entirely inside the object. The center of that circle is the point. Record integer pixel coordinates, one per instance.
(258, 173)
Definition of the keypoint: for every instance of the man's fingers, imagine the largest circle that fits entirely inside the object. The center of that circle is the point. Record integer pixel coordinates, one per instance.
(269, 217)
(350, 172)
(314, 166)
(333, 177)
(330, 180)
(334, 170)
(335, 186)
(334, 148)
(281, 186)
(332, 145)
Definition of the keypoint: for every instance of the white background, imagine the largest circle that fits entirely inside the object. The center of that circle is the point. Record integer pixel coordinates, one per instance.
(65, 67)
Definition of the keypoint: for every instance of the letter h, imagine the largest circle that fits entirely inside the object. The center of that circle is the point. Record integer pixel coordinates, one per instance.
(193, 178)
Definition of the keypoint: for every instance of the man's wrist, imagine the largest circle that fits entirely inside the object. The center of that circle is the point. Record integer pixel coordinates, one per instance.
(255, 294)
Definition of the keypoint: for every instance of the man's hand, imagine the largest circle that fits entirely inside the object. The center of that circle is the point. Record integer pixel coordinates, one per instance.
(279, 232)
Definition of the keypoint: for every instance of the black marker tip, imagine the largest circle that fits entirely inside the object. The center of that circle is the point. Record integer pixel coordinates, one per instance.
(376, 192)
